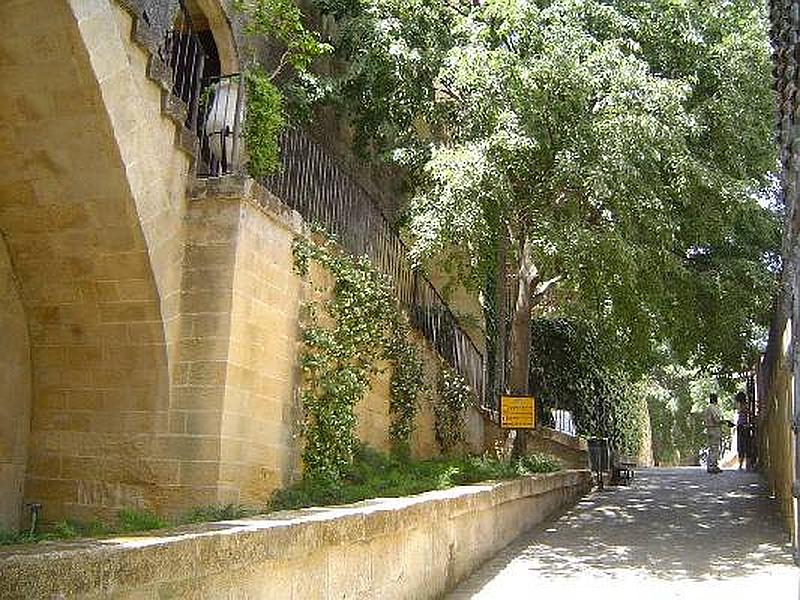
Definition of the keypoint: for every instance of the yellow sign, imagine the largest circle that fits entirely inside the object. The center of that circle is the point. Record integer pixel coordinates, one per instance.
(517, 412)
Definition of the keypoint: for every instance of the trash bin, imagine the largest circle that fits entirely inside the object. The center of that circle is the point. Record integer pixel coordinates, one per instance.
(599, 458)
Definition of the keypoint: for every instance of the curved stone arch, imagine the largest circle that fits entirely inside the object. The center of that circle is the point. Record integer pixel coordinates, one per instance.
(219, 23)
(85, 264)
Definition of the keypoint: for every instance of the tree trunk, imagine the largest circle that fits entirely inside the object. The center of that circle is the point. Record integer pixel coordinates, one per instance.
(527, 276)
(520, 345)
(521, 336)
(501, 312)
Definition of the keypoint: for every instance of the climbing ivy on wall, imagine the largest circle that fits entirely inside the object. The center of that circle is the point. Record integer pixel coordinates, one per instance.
(346, 333)
(408, 380)
(448, 409)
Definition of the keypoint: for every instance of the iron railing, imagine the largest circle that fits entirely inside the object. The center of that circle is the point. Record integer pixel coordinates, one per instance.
(313, 182)
(183, 54)
(561, 420)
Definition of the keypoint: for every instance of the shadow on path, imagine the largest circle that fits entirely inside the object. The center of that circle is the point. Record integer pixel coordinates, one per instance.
(670, 526)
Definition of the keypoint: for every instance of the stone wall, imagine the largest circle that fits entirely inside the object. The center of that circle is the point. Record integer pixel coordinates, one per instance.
(774, 436)
(373, 413)
(415, 547)
(15, 395)
(232, 418)
(162, 330)
(100, 375)
(571, 451)
(235, 415)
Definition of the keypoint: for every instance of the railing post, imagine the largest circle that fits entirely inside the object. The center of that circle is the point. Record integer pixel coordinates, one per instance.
(237, 121)
(198, 89)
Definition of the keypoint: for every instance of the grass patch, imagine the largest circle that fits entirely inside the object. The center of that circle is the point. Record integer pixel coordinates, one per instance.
(226, 512)
(63, 530)
(128, 521)
(131, 520)
(375, 475)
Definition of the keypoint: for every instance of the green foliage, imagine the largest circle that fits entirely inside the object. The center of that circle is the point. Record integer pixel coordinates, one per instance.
(278, 22)
(264, 123)
(129, 520)
(374, 474)
(282, 22)
(344, 337)
(618, 144)
(8, 537)
(676, 397)
(407, 381)
(132, 520)
(569, 371)
(63, 530)
(389, 53)
(66, 530)
(449, 407)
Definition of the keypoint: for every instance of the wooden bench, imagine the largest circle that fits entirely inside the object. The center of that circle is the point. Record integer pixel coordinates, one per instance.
(622, 469)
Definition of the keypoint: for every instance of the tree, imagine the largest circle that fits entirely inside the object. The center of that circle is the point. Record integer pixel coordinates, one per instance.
(600, 156)
(279, 22)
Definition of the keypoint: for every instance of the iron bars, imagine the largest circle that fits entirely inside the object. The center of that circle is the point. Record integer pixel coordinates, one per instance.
(313, 183)
(184, 56)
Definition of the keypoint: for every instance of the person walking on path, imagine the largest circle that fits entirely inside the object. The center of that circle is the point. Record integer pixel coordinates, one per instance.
(743, 431)
(714, 421)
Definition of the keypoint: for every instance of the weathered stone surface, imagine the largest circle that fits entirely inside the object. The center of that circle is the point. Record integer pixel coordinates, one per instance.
(15, 396)
(150, 336)
(82, 264)
(434, 540)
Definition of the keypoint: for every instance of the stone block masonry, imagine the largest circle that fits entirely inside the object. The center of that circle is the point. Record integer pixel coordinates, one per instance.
(237, 379)
(149, 337)
(15, 395)
(414, 547)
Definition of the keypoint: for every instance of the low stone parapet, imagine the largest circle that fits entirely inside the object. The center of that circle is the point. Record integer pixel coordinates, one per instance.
(572, 451)
(412, 547)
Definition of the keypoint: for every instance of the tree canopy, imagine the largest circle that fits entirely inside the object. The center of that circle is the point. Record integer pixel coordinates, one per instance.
(607, 154)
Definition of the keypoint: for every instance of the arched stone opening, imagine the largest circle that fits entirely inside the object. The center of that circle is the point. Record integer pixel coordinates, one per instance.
(198, 49)
(84, 280)
(214, 28)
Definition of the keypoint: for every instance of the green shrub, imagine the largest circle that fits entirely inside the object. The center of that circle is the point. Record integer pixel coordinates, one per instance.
(66, 530)
(374, 474)
(222, 512)
(264, 123)
(132, 519)
(345, 336)
(448, 409)
(11, 537)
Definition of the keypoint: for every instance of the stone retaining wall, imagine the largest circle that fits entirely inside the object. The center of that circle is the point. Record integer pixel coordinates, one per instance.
(415, 547)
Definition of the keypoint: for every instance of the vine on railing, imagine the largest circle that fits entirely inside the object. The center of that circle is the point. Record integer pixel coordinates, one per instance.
(313, 183)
